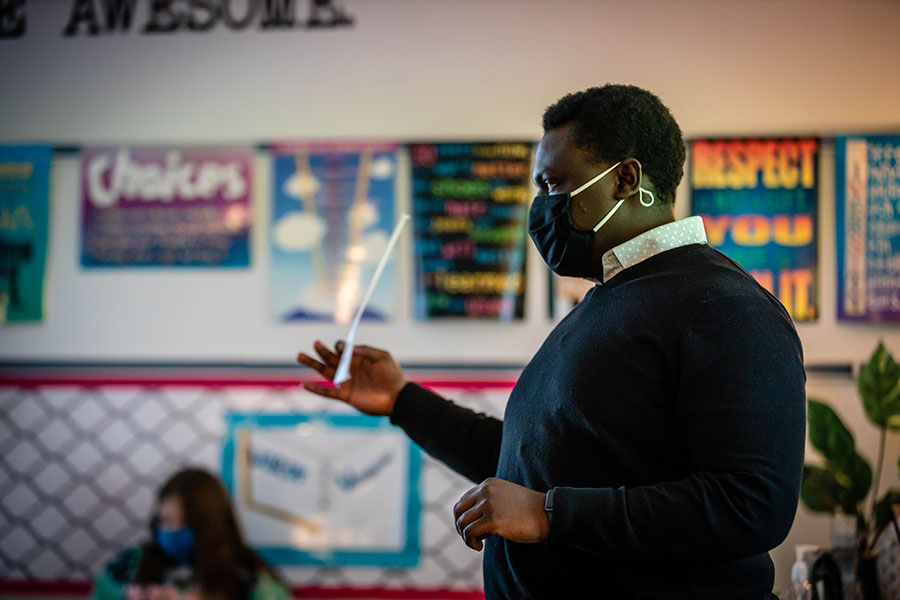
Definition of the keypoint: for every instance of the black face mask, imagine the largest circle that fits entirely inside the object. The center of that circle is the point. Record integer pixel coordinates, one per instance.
(565, 248)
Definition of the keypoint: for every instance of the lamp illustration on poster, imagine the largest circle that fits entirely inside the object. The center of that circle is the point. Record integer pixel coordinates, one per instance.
(758, 199)
(24, 217)
(166, 207)
(324, 488)
(867, 202)
(470, 205)
(332, 215)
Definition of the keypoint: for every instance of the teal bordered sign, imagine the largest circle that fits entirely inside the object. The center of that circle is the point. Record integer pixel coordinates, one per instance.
(324, 489)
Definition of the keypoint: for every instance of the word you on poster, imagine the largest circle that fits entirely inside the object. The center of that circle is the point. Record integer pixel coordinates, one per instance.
(867, 194)
(470, 202)
(24, 215)
(332, 217)
(324, 488)
(758, 200)
(166, 207)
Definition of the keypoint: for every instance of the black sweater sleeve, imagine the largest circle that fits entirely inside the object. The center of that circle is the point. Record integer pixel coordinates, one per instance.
(741, 409)
(466, 441)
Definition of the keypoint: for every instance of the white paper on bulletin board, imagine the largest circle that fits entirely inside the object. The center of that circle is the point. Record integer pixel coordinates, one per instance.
(324, 489)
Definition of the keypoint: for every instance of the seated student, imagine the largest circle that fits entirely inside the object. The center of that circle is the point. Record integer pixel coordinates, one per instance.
(196, 551)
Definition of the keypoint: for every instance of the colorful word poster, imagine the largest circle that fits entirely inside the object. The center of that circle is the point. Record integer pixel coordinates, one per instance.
(332, 216)
(24, 216)
(867, 200)
(185, 207)
(470, 203)
(758, 200)
(325, 488)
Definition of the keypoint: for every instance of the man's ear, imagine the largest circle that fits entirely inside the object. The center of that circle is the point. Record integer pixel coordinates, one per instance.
(628, 178)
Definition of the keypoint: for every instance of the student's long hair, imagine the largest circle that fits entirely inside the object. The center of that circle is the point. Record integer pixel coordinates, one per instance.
(224, 567)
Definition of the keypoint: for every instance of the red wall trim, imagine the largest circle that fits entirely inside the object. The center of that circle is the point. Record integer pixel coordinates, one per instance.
(83, 588)
(93, 381)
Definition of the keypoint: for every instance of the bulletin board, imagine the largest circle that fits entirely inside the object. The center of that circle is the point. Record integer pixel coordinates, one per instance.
(84, 448)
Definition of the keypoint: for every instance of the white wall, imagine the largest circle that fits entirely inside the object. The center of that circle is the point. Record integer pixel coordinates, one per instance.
(418, 69)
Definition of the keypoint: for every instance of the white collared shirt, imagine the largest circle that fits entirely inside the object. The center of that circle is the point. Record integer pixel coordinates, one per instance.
(652, 242)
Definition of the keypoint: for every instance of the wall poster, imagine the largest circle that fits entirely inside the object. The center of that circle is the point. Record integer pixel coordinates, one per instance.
(332, 215)
(166, 207)
(324, 488)
(867, 202)
(758, 199)
(470, 206)
(24, 217)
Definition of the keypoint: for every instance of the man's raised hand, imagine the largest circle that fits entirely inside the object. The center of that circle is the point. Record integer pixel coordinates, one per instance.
(375, 377)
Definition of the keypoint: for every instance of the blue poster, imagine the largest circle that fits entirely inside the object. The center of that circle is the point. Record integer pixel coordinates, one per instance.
(332, 217)
(867, 203)
(758, 199)
(325, 489)
(24, 217)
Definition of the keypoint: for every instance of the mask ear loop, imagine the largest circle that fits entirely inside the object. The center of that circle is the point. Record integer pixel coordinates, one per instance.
(642, 191)
(595, 179)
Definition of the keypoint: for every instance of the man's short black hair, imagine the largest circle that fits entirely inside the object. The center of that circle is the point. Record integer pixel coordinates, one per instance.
(623, 121)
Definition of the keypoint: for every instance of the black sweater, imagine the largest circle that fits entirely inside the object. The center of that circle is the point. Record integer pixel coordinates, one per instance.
(668, 411)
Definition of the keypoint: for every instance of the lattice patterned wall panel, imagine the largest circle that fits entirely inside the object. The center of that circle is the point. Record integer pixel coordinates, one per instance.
(79, 466)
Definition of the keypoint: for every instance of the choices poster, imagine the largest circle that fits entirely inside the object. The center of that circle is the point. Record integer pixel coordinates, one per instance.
(332, 217)
(24, 216)
(470, 202)
(867, 201)
(758, 200)
(186, 207)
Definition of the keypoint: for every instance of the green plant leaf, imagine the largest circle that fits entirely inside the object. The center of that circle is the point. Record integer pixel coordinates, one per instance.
(819, 490)
(828, 433)
(854, 476)
(879, 388)
(884, 511)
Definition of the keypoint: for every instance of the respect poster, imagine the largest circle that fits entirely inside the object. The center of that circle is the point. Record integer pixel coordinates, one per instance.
(332, 217)
(470, 203)
(758, 200)
(166, 207)
(24, 217)
(867, 201)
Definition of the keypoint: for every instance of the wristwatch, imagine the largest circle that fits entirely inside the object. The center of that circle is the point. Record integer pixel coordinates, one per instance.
(548, 501)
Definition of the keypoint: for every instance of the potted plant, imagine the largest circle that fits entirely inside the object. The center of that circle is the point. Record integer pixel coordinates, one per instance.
(846, 479)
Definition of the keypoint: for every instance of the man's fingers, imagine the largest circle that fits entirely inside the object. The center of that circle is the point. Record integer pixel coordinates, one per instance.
(466, 502)
(328, 392)
(324, 370)
(328, 357)
(476, 531)
(466, 517)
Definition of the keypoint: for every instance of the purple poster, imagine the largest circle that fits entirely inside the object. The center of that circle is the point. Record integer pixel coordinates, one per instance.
(867, 202)
(186, 207)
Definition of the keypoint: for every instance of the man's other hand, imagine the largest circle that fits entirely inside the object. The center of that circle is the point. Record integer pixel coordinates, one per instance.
(499, 507)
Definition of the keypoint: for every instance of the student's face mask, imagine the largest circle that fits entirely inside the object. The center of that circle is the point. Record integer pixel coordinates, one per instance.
(566, 249)
(177, 543)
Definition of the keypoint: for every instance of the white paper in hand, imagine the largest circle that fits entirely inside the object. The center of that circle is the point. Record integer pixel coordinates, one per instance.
(343, 371)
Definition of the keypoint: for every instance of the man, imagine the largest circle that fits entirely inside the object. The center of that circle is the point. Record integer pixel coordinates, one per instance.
(653, 446)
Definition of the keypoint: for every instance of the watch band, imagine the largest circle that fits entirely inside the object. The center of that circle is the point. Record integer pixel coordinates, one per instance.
(548, 500)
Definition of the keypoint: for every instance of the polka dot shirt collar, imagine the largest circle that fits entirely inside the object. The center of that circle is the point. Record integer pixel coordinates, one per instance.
(652, 242)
